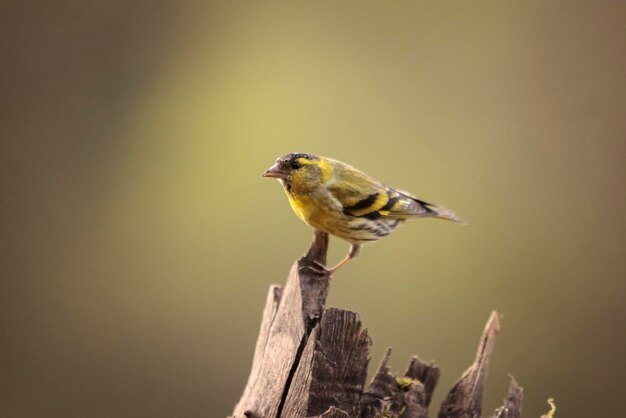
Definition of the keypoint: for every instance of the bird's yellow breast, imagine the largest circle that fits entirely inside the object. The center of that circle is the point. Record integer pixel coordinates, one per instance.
(314, 211)
(303, 207)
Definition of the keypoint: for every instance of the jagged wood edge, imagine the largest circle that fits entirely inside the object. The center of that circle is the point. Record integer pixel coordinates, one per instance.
(289, 318)
(512, 407)
(388, 396)
(275, 370)
(427, 374)
(465, 399)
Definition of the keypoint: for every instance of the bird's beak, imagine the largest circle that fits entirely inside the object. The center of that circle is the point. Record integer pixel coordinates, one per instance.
(275, 172)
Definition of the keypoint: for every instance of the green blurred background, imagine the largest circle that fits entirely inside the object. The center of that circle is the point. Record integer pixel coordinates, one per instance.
(139, 239)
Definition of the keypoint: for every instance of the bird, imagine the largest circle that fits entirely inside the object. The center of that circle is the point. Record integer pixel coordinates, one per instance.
(336, 198)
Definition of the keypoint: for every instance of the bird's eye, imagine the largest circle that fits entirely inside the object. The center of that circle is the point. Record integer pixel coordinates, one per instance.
(295, 165)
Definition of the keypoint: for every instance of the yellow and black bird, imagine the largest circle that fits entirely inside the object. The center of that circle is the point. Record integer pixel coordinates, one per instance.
(336, 198)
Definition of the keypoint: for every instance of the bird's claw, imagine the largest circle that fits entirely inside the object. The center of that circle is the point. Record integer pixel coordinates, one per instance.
(315, 268)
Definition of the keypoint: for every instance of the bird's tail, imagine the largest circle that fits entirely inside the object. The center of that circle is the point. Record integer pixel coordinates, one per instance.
(439, 212)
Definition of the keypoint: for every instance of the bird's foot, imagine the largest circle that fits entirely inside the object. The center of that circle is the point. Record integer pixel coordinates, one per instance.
(315, 268)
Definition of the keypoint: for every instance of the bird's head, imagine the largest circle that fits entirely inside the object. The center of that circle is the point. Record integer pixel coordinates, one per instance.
(299, 172)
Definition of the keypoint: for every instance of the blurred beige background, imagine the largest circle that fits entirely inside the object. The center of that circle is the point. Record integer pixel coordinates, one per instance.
(139, 240)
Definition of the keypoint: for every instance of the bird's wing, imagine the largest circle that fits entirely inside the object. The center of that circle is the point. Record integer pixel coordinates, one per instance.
(409, 207)
(363, 197)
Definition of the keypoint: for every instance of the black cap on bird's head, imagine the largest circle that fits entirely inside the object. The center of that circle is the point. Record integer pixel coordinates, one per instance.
(288, 163)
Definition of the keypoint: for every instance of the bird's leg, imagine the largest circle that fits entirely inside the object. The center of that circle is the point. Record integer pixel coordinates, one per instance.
(354, 251)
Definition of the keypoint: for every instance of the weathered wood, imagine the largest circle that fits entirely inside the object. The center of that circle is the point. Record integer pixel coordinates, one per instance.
(334, 413)
(269, 313)
(389, 396)
(428, 374)
(312, 362)
(297, 398)
(465, 399)
(333, 369)
(512, 407)
(288, 320)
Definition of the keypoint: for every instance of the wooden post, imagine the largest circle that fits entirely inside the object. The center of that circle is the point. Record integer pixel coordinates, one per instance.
(311, 361)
